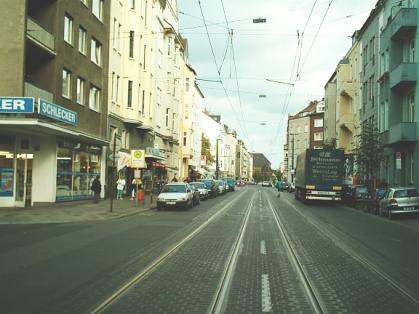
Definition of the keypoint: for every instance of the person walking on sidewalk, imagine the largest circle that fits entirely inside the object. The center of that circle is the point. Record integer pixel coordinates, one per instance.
(96, 188)
(174, 178)
(120, 185)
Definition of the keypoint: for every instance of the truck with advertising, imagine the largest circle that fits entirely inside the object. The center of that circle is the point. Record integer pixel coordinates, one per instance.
(319, 175)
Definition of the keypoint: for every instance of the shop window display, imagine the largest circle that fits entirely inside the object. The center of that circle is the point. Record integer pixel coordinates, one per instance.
(77, 166)
(6, 166)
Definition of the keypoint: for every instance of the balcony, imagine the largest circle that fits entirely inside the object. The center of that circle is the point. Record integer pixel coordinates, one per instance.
(347, 89)
(403, 76)
(403, 24)
(41, 37)
(36, 92)
(402, 132)
(346, 120)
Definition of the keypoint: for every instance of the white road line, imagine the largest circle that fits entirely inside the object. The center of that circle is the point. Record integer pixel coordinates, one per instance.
(266, 295)
(263, 247)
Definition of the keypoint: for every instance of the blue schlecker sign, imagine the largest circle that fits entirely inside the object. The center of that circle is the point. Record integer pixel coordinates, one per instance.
(56, 112)
(16, 104)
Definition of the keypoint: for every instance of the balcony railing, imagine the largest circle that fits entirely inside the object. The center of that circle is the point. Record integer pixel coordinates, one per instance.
(404, 75)
(403, 23)
(347, 89)
(402, 132)
(346, 120)
(41, 36)
(36, 92)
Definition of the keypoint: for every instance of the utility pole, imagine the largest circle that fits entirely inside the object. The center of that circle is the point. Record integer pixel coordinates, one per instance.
(217, 169)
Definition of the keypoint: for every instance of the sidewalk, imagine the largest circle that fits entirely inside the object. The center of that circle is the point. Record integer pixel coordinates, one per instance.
(74, 211)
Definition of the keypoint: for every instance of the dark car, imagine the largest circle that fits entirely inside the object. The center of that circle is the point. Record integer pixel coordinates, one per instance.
(211, 186)
(355, 195)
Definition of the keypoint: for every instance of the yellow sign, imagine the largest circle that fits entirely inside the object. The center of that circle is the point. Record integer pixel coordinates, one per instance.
(138, 158)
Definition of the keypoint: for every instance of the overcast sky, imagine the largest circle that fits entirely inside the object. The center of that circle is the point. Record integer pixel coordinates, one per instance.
(267, 51)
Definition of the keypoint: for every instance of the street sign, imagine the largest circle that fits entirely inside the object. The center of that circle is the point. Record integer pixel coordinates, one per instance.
(138, 158)
(16, 104)
(259, 20)
(398, 160)
(57, 112)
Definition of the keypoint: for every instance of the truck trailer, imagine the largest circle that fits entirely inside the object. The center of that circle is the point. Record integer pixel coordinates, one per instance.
(319, 175)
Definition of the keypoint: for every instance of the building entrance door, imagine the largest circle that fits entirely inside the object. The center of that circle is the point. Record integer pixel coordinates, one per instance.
(24, 179)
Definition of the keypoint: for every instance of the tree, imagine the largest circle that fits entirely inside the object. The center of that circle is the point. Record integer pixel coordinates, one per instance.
(369, 153)
(206, 149)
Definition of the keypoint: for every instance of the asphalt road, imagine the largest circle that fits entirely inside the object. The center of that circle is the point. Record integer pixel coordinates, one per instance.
(244, 252)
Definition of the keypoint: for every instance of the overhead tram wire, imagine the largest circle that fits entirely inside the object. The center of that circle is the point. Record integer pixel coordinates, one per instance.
(216, 64)
(307, 55)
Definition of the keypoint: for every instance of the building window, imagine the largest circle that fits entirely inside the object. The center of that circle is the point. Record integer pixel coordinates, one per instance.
(66, 84)
(119, 37)
(412, 167)
(306, 128)
(113, 35)
(169, 46)
(129, 104)
(82, 40)
(94, 99)
(80, 91)
(97, 8)
(132, 4)
(167, 117)
(184, 139)
(144, 56)
(412, 51)
(113, 87)
(145, 13)
(96, 52)
(143, 102)
(318, 123)
(187, 84)
(173, 121)
(117, 89)
(150, 96)
(131, 44)
(68, 29)
(411, 99)
(318, 136)
(84, 2)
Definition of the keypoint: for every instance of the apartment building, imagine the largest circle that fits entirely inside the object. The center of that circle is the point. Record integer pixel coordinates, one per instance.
(228, 152)
(53, 117)
(330, 96)
(397, 112)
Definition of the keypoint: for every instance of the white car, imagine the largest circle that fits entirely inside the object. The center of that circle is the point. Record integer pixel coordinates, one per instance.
(203, 191)
(266, 183)
(175, 194)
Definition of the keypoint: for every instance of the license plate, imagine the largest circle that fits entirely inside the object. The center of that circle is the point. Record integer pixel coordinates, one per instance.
(171, 203)
(409, 208)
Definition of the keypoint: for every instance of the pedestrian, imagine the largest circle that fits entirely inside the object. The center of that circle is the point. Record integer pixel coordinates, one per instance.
(174, 178)
(96, 188)
(135, 182)
(120, 185)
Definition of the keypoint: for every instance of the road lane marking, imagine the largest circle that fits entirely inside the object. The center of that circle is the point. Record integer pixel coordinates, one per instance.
(266, 295)
(263, 247)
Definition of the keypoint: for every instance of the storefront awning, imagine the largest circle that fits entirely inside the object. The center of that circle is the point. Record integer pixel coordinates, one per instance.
(31, 126)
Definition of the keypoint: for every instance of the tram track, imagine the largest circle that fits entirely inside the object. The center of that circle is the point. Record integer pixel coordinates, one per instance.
(150, 268)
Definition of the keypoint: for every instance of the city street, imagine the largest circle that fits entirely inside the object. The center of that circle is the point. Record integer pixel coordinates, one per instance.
(245, 252)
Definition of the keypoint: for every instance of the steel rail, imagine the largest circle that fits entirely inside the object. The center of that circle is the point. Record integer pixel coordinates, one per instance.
(219, 302)
(364, 261)
(315, 300)
(160, 260)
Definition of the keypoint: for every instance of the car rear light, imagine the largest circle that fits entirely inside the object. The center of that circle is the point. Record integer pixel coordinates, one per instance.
(393, 201)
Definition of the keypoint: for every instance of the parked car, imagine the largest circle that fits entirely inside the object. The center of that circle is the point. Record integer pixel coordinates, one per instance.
(211, 186)
(202, 189)
(175, 195)
(267, 183)
(357, 194)
(400, 200)
(231, 183)
(222, 187)
(377, 195)
(251, 183)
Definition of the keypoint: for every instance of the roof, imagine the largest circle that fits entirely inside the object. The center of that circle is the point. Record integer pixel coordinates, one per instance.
(260, 160)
